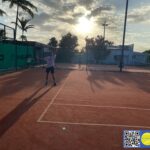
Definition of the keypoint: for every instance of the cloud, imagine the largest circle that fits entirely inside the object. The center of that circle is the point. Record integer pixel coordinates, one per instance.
(140, 15)
(69, 6)
(86, 3)
(97, 11)
(118, 4)
(68, 20)
(40, 19)
(77, 15)
(56, 4)
(48, 27)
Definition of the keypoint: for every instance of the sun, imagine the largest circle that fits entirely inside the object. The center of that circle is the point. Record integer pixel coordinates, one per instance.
(84, 25)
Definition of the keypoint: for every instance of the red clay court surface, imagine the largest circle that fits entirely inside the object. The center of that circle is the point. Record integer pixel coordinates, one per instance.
(87, 110)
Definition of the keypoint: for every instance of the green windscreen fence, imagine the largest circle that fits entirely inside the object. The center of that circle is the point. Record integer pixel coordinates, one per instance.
(15, 56)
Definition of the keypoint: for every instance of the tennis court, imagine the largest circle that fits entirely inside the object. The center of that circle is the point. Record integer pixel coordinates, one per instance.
(88, 109)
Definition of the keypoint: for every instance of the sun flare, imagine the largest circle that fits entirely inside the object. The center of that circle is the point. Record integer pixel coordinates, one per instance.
(84, 25)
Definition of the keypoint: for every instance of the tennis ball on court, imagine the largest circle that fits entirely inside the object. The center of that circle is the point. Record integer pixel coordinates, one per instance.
(63, 128)
(146, 139)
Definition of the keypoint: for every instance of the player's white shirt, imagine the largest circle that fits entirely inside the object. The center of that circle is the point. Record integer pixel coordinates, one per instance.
(50, 61)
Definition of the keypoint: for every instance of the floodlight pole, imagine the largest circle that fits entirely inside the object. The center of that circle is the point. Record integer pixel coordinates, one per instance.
(86, 57)
(104, 25)
(124, 34)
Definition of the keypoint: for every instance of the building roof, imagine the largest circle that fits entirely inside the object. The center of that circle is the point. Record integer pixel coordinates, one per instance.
(30, 43)
(119, 47)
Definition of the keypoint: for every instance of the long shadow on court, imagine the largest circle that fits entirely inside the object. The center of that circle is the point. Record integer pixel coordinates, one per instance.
(14, 115)
(99, 79)
(93, 81)
(24, 81)
(139, 80)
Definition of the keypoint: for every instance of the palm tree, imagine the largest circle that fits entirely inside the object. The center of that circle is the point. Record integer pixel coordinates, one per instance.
(25, 5)
(2, 12)
(23, 25)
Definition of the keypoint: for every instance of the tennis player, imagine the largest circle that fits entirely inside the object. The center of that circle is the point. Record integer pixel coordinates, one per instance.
(50, 67)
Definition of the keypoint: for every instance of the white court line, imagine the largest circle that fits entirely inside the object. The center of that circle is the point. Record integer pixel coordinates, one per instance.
(51, 102)
(95, 106)
(95, 124)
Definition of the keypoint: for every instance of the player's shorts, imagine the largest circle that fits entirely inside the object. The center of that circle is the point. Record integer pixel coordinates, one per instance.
(50, 69)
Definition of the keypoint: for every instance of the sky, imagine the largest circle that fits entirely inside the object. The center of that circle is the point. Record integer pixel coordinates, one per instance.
(84, 18)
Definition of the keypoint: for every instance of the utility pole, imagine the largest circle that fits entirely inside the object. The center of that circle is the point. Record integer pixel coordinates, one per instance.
(124, 34)
(104, 25)
(86, 56)
(86, 49)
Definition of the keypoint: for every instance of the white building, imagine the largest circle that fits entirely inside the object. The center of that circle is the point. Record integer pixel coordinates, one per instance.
(130, 57)
(140, 58)
(115, 55)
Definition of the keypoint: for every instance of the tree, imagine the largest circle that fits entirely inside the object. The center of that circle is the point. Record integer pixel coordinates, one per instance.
(98, 47)
(23, 37)
(67, 45)
(25, 5)
(148, 55)
(109, 43)
(53, 42)
(2, 12)
(23, 25)
(147, 52)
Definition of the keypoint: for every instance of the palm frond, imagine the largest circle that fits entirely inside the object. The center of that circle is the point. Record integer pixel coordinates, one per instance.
(5, 1)
(17, 25)
(24, 4)
(23, 24)
(11, 4)
(28, 10)
(29, 4)
(29, 27)
(2, 12)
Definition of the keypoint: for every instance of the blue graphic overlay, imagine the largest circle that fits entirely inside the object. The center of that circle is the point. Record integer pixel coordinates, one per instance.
(145, 138)
(136, 138)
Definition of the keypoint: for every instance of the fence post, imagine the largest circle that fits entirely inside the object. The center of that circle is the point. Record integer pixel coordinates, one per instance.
(16, 55)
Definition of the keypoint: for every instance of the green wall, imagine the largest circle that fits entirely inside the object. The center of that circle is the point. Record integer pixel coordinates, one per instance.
(15, 56)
